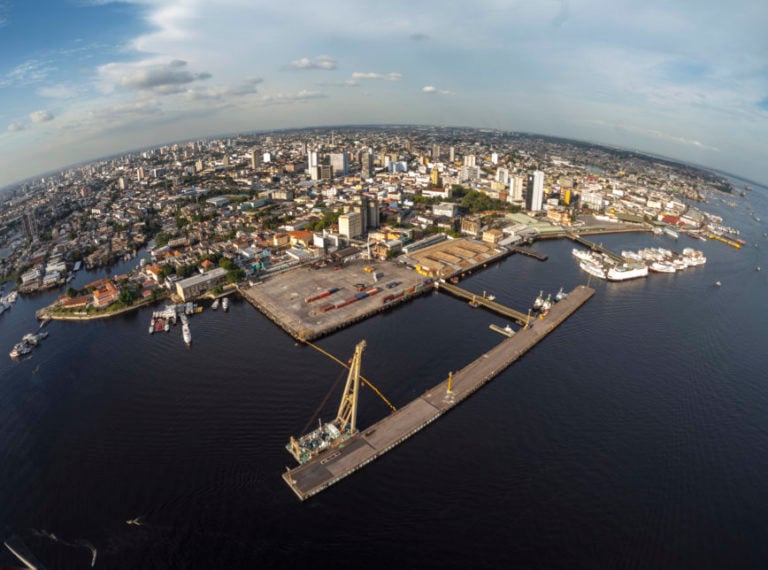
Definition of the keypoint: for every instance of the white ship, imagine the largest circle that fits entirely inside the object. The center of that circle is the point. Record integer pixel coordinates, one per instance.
(581, 254)
(186, 333)
(593, 269)
(693, 257)
(225, 303)
(538, 301)
(662, 267)
(671, 233)
(625, 272)
(215, 305)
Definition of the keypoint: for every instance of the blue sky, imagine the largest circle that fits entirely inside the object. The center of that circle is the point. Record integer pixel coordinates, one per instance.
(81, 79)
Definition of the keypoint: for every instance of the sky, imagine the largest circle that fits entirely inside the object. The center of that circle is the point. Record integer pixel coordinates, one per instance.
(83, 79)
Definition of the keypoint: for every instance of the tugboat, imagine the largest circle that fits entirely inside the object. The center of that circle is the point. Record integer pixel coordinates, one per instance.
(560, 295)
(539, 301)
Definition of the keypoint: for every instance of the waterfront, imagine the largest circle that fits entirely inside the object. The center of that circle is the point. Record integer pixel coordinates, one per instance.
(635, 435)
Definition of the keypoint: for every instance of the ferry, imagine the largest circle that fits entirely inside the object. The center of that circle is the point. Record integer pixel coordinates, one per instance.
(662, 267)
(581, 254)
(626, 271)
(593, 269)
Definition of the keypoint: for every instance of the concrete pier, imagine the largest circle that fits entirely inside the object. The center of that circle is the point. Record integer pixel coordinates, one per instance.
(336, 463)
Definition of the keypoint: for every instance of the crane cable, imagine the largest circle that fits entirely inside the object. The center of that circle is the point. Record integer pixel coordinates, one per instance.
(363, 378)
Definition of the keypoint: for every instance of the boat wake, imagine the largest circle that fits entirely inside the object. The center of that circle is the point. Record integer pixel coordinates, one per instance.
(77, 543)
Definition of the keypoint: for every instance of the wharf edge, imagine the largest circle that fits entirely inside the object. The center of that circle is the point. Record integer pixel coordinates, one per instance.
(368, 444)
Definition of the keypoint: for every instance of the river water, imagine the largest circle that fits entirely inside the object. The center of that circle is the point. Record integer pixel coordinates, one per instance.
(634, 436)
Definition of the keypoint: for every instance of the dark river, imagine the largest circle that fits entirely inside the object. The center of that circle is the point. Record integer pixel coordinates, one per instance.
(634, 436)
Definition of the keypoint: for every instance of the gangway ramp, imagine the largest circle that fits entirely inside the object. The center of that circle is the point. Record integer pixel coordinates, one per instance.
(483, 301)
(595, 247)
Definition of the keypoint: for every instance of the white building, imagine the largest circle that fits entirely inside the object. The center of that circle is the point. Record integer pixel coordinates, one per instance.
(312, 164)
(534, 196)
(351, 224)
(340, 163)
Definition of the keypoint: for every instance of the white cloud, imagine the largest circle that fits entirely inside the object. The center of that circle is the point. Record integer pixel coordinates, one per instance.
(60, 91)
(324, 62)
(26, 73)
(41, 116)
(346, 83)
(247, 87)
(162, 78)
(429, 89)
(287, 98)
(393, 76)
(129, 109)
(17, 126)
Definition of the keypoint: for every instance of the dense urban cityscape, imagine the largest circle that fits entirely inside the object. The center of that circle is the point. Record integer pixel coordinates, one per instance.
(246, 206)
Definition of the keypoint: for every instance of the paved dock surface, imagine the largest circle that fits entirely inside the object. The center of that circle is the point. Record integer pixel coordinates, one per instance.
(336, 463)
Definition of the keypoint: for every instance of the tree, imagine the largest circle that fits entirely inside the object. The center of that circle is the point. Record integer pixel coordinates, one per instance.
(162, 239)
(126, 297)
(71, 293)
(235, 275)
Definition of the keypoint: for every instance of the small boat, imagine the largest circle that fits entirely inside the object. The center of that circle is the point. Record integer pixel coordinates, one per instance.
(225, 304)
(215, 305)
(20, 349)
(538, 301)
(717, 283)
(186, 333)
(560, 295)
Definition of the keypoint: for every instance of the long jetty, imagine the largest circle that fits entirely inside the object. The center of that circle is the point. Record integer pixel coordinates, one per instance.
(334, 464)
(528, 252)
(481, 300)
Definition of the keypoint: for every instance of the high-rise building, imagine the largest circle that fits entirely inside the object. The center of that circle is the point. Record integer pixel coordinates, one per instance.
(29, 225)
(469, 173)
(254, 159)
(140, 174)
(516, 189)
(534, 191)
(374, 214)
(366, 165)
(351, 224)
(340, 163)
(451, 154)
(469, 160)
(267, 157)
(502, 176)
(435, 152)
(312, 164)
(435, 177)
(324, 172)
(495, 158)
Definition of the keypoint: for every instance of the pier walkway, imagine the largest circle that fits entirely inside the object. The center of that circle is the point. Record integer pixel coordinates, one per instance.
(528, 252)
(334, 464)
(595, 247)
(481, 300)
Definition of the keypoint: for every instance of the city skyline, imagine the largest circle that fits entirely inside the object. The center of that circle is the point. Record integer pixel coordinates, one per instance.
(81, 80)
